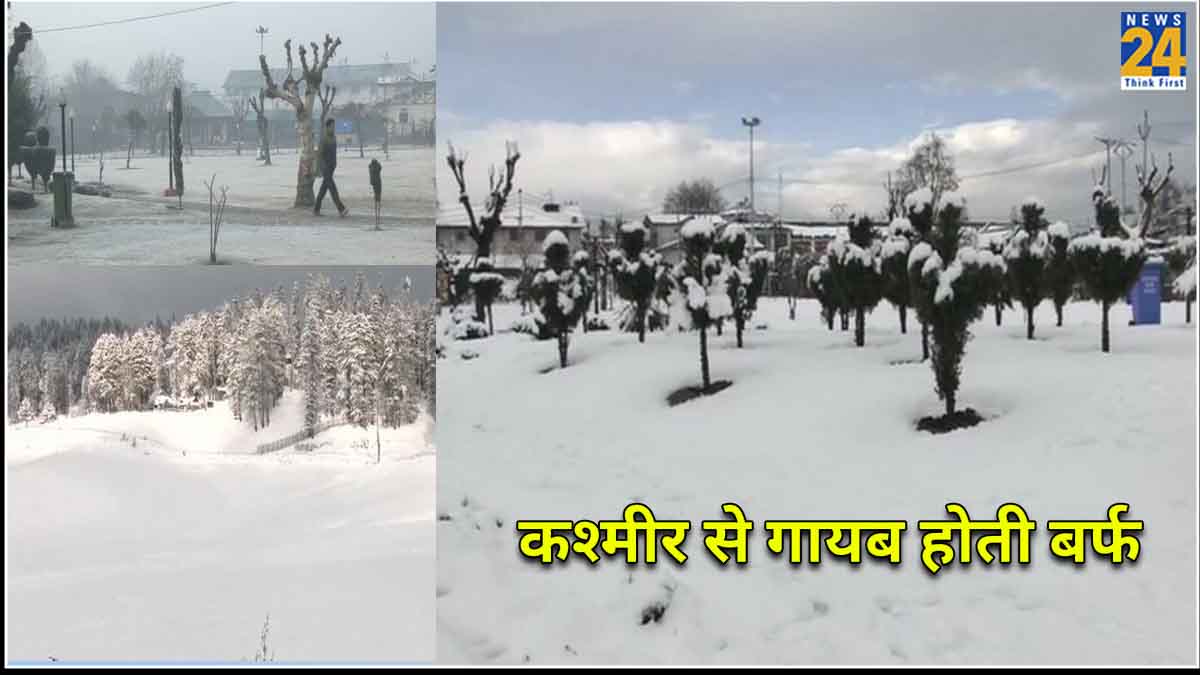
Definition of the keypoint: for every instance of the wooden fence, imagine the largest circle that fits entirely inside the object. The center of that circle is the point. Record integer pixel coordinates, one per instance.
(298, 436)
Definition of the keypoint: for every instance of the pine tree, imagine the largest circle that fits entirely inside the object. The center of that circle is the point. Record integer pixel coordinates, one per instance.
(821, 285)
(893, 261)
(744, 280)
(1026, 254)
(309, 365)
(921, 220)
(951, 287)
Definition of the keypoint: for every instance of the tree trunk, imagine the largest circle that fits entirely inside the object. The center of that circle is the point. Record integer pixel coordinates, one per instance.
(378, 419)
(1028, 323)
(720, 326)
(704, 358)
(641, 319)
(860, 328)
(740, 323)
(129, 154)
(306, 171)
(491, 328)
(792, 309)
(845, 316)
(999, 313)
(1104, 327)
(562, 348)
(903, 319)
(924, 341)
(1058, 314)
(950, 404)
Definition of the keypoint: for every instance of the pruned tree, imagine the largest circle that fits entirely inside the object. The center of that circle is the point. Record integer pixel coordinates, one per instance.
(1109, 259)
(893, 264)
(1060, 272)
(635, 271)
(561, 291)
(860, 274)
(486, 283)
(746, 277)
(1025, 254)
(699, 295)
(177, 143)
(264, 139)
(1148, 193)
(302, 102)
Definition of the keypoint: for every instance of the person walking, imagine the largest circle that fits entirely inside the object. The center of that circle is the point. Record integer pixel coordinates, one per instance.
(327, 155)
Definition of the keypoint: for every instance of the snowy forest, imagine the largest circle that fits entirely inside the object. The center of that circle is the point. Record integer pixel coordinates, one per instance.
(358, 354)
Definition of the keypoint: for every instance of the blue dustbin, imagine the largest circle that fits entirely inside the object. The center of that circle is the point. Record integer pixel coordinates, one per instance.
(1146, 296)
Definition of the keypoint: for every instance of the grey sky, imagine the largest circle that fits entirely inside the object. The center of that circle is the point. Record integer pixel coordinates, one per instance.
(138, 294)
(613, 103)
(215, 40)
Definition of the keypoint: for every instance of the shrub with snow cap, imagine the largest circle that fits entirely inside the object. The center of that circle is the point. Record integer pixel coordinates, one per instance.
(857, 271)
(561, 292)
(1107, 262)
(951, 288)
(635, 271)
(745, 278)
(699, 294)
(1026, 254)
(1060, 271)
(893, 265)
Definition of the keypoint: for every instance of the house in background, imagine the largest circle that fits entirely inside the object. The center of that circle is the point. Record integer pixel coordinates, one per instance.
(207, 121)
(518, 242)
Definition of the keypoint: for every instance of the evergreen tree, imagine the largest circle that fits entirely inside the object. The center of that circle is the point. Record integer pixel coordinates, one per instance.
(1060, 273)
(951, 291)
(699, 296)
(857, 272)
(893, 262)
(635, 271)
(745, 280)
(561, 292)
(1108, 261)
(1026, 254)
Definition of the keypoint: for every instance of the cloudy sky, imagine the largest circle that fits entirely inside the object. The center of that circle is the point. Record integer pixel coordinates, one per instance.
(138, 294)
(213, 40)
(613, 103)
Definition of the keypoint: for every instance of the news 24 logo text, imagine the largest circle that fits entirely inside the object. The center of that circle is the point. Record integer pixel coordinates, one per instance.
(1154, 51)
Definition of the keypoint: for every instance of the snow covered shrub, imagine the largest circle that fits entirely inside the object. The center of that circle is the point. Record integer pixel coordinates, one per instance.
(25, 411)
(529, 325)
(1181, 259)
(744, 280)
(596, 323)
(1002, 298)
(921, 220)
(1025, 253)
(1107, 262)
(951, 289)
(1060, 273)
(790, 275)
(456, 270)
(635, 271)
(560, 292)
(464, 326)
(486, 285)
(1185, 287)
(893, 265)
(820, 284)
(857, 272)
(48, 414)
(699, 296)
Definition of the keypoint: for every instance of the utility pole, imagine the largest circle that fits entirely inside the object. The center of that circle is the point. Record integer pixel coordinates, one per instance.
(262, 31)
(1109, 144)
(750, 123)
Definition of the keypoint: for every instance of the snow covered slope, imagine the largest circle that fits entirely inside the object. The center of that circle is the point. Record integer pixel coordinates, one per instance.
(813, 428)
(164, 552)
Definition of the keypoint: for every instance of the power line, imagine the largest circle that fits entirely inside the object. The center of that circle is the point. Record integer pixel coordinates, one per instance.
(131, 19)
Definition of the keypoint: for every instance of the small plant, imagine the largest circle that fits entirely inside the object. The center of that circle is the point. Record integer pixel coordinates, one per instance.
(216, 213)
(265, 654)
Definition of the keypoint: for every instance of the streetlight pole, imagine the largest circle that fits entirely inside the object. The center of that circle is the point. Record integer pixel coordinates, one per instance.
(750, 123)
(170, 150)
(62, 114)
(72, 117)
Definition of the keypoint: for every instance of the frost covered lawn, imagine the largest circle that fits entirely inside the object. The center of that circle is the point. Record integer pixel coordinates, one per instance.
(134, 226)
(813, 428)
(168, 552)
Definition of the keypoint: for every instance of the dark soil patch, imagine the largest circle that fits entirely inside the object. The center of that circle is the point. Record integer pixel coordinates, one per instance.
(905, 362)
(942, 424)
(686, 394)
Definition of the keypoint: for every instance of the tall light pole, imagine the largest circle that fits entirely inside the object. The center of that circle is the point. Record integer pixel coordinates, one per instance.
(62, 114)
(71, 116)
(262, 31)
(750, 123)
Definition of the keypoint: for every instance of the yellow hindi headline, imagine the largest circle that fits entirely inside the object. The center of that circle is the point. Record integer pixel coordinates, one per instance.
(638, 537)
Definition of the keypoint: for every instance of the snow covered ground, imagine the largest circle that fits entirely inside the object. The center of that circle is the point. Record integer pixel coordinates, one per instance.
(813, 428)
(134, 226)
(170, 551)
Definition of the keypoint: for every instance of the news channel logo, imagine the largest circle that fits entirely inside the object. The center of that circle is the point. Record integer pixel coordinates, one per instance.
(1154, 51)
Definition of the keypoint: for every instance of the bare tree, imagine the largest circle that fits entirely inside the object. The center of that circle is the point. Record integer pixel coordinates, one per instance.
(216, 213)
(239, 119)
(931, 166)
(1149, 193)
(152, 76)
(302, 102)
(483, 230)
(898, 190)
(693, 197)
(264, 139)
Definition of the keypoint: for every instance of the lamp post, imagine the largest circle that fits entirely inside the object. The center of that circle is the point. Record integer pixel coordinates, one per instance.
(95, 148)
(170, 150)
(62, 114)
(750, 123)
(71, 116)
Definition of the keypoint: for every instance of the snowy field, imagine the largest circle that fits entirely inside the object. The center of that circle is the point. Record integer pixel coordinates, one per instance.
(161, 549)
(813, 428)
(135, 225)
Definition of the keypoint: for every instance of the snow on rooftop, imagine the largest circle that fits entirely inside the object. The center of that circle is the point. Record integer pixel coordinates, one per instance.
(535, 216)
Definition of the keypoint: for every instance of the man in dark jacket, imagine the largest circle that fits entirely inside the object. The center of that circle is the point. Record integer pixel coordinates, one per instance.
(327, 156)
